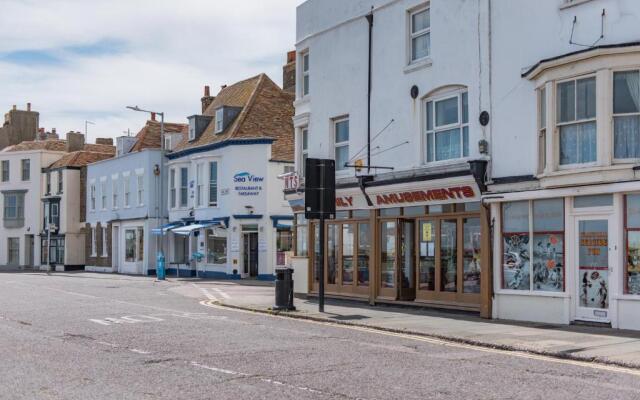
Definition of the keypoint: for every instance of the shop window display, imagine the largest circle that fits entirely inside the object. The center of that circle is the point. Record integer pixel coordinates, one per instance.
(427, 254)
(448, 256)
(471, 255)
(348, 234)
(632, 225)
(364, 252)
(515, 238)
(388, 255)
(332, 253)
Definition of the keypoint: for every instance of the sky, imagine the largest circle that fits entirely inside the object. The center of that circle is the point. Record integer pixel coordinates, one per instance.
(78, 60)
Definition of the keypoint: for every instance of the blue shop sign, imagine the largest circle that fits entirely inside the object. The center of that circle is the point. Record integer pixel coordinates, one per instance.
(248, 184)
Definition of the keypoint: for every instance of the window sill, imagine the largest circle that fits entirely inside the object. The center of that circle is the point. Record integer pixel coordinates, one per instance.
(573, 4)
(584, 169)
(303, 100)
(628, 297)
(529, 293)
(418, 65)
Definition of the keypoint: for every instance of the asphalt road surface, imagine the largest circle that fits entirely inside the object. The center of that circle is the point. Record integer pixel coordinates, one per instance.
(92, 336)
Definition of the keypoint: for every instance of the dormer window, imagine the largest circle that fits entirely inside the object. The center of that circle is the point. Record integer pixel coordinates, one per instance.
(219, 120)
(192, 131)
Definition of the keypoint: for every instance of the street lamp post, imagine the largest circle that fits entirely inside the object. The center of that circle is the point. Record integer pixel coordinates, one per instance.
(160, 259)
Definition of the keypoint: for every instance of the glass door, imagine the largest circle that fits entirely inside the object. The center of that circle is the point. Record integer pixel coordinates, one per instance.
(388, 258)
(407, 255)
(593, 270)
(398, 259)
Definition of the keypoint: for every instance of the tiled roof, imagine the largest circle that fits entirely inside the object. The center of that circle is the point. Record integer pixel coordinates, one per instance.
(58, 145)
(149, 135)
(80, 159)
(267, 112)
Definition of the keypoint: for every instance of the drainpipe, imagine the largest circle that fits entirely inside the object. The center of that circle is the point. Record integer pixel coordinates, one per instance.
(370, 21)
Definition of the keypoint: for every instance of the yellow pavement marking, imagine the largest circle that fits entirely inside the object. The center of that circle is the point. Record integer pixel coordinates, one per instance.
(444, 342)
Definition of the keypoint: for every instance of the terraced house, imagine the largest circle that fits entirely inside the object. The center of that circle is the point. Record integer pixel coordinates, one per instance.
(227, 214)
(123, 202)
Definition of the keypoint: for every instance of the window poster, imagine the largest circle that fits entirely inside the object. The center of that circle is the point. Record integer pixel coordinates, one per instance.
(548, 262)
(594, 264)
(633, 262)
(515, 266)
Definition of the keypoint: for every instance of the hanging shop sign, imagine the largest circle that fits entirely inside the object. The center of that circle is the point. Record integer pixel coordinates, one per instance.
(452, 194)
(247, 184)
(291, 182)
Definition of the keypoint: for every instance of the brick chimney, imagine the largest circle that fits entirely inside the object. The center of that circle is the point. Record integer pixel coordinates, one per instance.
(105, 141)
(75, 141)
(207, 99)
(153, 116)
(41, 134)
(289, 73)
(28, 106)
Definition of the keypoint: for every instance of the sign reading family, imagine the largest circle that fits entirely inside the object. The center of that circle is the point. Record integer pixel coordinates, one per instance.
(247, 184)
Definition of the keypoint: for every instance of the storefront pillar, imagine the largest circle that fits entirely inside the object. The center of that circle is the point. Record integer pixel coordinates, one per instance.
(373, 258)
(486, 283)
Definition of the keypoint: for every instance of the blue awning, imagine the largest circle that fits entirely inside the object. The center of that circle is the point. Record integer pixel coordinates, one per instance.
(162, 230)
(186, 230)
(282, 221)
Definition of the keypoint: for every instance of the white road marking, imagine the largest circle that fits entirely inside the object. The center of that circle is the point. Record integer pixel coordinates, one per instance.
(107, 344)
(266, 380)
(223, 294)
(139, 351)
(205, 292)
(127, 319)
(449, 343)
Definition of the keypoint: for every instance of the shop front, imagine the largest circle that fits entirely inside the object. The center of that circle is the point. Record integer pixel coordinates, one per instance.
(421, 243)
(568, 255)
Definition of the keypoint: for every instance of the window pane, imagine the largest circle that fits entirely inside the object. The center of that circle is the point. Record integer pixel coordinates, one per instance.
(305, 62)
(633, 262)
(427, 261)
(364, 251)
(301, 240)
(448, 256)
(465, 107)
(633, 211)
(430, 149)
(586, 98)
(305, 85)
(448, 144)
(515, 217)
(342, 131)
(413, 211)
(305, 138)
(429, 115)
(447, 111)
(465, 141)
(420, 21)
(390, 212)
(548, 262)
(548, 215)
(360, 213)
(420, 46)
(515, 265)
(348, 236)
(626, 131)
(566, 107)
(578, 143)
(388, 254)
(471, 255)
(342, 215)
(332, 253)
(599, 200)
(342, 157)
(626, 92)
(130, 245)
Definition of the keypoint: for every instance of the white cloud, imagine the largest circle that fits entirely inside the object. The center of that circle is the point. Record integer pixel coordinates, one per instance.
(151, 53)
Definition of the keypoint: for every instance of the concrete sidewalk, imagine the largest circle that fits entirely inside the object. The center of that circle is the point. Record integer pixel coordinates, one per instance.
(586, 343)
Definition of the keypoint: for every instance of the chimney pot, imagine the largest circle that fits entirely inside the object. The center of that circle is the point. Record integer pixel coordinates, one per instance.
(207, 91)
(14, 107)
(153, 116)
(53, 130)
(28, 106)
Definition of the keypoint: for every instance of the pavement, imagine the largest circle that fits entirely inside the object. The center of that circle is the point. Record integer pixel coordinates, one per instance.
(104, 336)
(587, 343)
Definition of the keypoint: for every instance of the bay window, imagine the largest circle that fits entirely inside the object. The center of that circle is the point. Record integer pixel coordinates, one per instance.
(542, 129)
(632, 233)
(626, 114)
(341, 142)
(533, 235)
(447, 127)
(576, 121)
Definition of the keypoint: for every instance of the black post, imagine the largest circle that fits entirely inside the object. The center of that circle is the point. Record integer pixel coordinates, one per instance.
(370, 20)
(321, 268)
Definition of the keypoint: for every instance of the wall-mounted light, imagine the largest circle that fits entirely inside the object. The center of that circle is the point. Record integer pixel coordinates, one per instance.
(249, 209)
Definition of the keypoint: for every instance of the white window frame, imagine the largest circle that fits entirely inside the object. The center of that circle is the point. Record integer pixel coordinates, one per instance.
(184, 187)
(213, 203)
(60, 183)
(559, 124)
(413, 35)
(173, 199)
(27, 162)
(7, 164)
(135, 246)
(336, 145)
(103, 194)
(114, 193)
(437, 129)
(304, 73)
(93, 242)
(543, 136)
(104, 242)
(304, 151)
(140, 189)
(92, 196)
(199, 200)
(614, 116)
(126, 183)
(219, 117)
(192, 131)
(167, 142)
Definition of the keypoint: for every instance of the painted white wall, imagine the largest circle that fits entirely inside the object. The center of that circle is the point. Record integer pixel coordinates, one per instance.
(336, 35)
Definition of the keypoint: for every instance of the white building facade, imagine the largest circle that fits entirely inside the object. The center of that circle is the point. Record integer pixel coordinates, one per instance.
(565, 150)
(228, 218)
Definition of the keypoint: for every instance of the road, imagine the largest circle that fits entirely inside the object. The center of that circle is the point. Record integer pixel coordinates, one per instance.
(93, 336)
